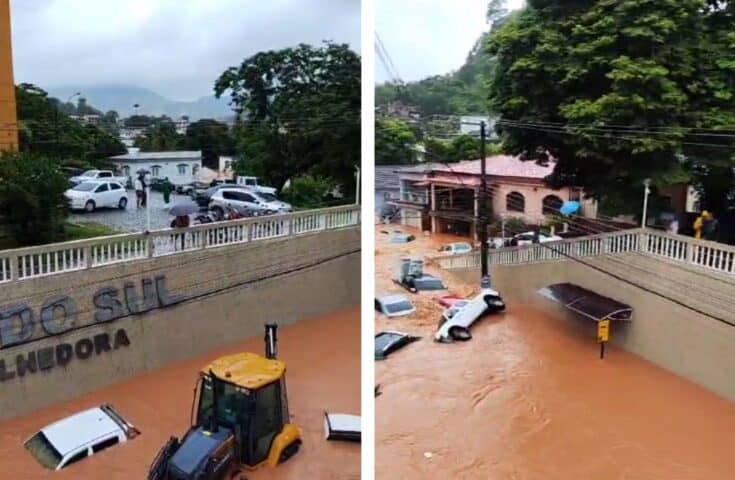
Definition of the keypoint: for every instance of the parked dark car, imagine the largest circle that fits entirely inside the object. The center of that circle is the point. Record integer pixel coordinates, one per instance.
(157, 184)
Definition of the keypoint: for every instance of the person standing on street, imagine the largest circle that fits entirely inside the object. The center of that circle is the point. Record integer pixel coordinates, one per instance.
(139, 192)
(166, 190)
(699, 223)
(711, 228)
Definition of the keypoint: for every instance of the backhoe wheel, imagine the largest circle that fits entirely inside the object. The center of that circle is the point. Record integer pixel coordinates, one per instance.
(289, 451)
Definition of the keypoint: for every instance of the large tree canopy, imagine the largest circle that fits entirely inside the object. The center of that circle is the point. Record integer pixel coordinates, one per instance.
(46, 130)
(618, 90)
(395, 143)
(299, 113)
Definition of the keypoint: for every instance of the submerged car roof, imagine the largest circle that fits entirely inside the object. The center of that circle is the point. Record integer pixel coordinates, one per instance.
(79, 429)
(392, 298)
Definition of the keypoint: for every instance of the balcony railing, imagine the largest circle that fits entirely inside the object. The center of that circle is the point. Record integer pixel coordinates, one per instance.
(45, 260)
(674, 248)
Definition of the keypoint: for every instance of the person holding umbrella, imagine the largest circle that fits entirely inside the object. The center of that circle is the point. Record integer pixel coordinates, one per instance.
(181, 212)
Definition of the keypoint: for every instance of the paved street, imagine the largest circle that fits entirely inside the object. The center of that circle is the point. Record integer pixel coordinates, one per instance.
(132, 219)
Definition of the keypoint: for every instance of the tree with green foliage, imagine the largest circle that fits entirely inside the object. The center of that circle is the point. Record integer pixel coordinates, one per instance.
(617, 91)
(32, 203)
(298, 113)
(307, 191)
(461, 148)
(212, 138)
(45, 130)
(160, 137)
(395, 143)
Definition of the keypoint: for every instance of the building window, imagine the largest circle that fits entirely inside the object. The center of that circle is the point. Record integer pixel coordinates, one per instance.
(551, 204)
(228, 164)
(195, 169)
(126, 171)
(155, 171)
(182, 169)
(515, 202)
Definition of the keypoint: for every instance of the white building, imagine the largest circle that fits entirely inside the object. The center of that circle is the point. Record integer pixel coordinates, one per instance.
(179, 167)
(182, 124)
(225, 167)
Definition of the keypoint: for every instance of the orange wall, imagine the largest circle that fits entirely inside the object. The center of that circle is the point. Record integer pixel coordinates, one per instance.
(8, 120)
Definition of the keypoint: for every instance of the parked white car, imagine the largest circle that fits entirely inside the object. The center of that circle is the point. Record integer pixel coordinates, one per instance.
(528, 238)
(79, 436)
(252, 182)
(93, 175)
(246, 202)
(89, 196)
(457, 248)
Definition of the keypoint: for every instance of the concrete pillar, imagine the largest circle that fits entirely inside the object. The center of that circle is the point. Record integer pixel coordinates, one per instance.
(401, 189)
(433, 198)
(451, 199)
(477, 204)
(8, 119)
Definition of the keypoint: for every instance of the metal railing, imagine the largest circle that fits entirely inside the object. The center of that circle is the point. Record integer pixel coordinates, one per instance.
(52, 259)
(675, 248)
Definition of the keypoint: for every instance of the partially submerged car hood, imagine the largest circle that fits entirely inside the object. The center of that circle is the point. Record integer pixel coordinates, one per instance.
(340, 426)
(388, 342)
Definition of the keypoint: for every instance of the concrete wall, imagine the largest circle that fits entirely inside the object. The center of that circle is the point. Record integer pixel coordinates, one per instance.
(8, 120)
(686, 343)
(238, 289)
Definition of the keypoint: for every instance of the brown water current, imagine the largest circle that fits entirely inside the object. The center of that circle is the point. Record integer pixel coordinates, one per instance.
(323, 374)
(528, 399)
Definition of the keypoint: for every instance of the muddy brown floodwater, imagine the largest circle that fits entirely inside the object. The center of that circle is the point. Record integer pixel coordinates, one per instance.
(528, 399)
(323, 374)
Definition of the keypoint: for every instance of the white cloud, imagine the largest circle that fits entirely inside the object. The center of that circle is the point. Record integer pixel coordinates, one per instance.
(429, 37)
(175, 47)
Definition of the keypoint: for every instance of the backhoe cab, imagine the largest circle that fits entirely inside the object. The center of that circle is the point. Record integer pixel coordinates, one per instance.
(241, 419)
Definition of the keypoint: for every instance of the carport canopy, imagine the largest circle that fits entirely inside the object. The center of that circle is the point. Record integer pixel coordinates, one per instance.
(587, 303)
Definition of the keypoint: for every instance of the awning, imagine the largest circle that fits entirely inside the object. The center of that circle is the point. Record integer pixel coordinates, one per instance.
(587, 303)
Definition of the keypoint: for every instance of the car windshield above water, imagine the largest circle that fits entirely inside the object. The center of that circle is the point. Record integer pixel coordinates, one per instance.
(39, 446)
(85, 187)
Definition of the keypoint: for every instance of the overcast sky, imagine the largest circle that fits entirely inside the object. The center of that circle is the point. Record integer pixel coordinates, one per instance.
(174, 47)
(429, 37)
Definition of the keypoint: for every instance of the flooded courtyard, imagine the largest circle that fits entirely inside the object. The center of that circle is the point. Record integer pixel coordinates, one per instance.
(159, 404)
(528, 398)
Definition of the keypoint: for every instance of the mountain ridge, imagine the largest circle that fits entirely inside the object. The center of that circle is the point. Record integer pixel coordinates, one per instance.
(122, 97)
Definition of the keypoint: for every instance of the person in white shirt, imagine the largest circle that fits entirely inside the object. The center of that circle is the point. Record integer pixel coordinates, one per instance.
(139, 192)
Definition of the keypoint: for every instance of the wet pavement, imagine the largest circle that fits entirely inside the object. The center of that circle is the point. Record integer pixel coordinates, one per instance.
(528, 399)
(132, 219)
(319, 379)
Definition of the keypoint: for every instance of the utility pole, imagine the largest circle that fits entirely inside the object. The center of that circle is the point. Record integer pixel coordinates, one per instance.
(357, 185)
(646, 192)
(483, 220)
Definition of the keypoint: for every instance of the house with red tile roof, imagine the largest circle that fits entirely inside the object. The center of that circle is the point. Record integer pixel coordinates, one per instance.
(444, 198)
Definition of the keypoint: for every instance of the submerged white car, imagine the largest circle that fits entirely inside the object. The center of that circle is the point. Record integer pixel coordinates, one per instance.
(457, 319)
(457, 248)
(79, 436)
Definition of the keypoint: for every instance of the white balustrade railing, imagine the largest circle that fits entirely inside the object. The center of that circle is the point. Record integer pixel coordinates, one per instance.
(41, 261)
(676, 248)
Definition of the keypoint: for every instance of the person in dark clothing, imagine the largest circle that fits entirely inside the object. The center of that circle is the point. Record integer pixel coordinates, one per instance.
(711, 228)
(144, 191)
(166, 190)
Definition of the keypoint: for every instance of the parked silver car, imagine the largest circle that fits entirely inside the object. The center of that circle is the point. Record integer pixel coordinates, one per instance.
(247, 203)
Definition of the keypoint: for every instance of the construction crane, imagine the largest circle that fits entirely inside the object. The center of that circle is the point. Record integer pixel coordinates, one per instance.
(241, 420)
